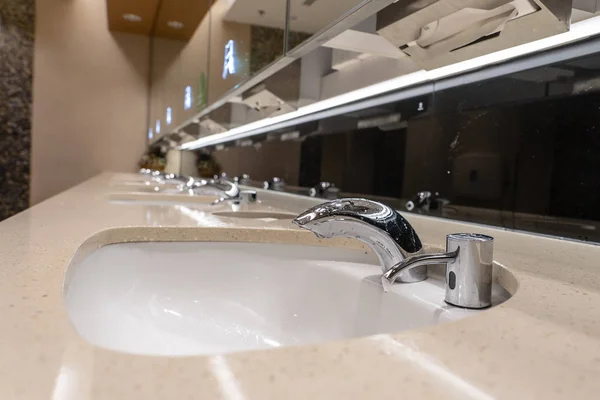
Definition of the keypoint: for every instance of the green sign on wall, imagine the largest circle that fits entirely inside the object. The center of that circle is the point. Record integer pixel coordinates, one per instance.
(202, 99)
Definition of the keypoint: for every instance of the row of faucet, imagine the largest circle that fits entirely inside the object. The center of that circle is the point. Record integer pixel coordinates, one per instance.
(326, 190)
(423, 201)
(228, 191)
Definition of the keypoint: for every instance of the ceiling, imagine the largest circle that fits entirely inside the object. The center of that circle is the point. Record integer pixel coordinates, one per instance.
(171, 19)
(117, 9)
(307, 16)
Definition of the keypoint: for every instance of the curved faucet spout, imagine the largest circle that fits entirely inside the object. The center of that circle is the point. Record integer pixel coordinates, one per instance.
(389, 235)
(228, 188)
(388, 278)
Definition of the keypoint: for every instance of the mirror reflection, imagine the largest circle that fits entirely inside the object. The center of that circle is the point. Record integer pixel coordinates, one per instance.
(464, 144)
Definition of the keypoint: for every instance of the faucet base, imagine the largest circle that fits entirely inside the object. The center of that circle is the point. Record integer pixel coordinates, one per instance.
(413, 275)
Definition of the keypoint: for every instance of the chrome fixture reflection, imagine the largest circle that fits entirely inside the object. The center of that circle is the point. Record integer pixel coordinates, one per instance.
(276, 184)
(426, 201)
(389, 235)
(243, 179)
(469, 258)
(243, 197)
(222, 176)
(325, 190)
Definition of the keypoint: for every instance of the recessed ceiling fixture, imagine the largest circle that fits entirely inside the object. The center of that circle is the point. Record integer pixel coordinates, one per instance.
(175, 24)
(132, 17)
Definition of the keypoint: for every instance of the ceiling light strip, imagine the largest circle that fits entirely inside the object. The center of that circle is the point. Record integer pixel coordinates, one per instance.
(579, 31)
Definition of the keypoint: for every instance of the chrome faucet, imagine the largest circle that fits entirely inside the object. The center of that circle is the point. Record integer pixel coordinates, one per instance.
(326, 190)
(162, 178)
(468, 257)
(425, 201)
(388, 234)
(243, 179)
(276, 184)
(243, 197)
(469, 260)
(227, 188)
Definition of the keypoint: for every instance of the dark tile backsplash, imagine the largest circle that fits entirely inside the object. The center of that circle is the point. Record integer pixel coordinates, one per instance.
(520, 150)
(16, 68)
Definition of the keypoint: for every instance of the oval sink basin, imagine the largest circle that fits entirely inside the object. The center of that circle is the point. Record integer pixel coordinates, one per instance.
(255, 215)
(198, 298)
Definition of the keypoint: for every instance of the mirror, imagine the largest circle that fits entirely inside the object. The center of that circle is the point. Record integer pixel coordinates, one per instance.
(201, 50)
(514, 149)
(179, 64)
(508, 144)
(309, 17)
(404, 106)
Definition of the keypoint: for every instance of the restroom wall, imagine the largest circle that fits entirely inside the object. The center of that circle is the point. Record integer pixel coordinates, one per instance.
(89, 96)
(17, 21)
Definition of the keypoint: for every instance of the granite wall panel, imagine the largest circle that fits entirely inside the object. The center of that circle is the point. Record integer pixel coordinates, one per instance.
(17, 27)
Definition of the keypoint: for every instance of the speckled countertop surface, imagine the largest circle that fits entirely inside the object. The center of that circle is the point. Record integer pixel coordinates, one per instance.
(542, 343)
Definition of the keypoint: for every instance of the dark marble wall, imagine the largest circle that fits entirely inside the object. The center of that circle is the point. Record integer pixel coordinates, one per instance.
(267, 45)
(17, 24)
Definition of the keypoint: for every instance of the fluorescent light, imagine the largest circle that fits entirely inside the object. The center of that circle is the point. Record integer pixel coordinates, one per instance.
(157, 127)
(169, 116)
(579, 31)
(132, 17)
(175, 24)
(187, 98)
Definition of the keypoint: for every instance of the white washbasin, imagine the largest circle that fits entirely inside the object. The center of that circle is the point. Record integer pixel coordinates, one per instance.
(206, 298)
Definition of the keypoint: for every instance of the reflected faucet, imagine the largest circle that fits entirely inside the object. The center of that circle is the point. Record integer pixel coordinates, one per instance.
(276, 184)
(162, 177)
(325, 190)
(425, 201)
(243, 179)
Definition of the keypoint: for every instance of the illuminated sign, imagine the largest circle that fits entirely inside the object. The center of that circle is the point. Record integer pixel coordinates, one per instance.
(229, 59)
(187, 98)
(169, 116)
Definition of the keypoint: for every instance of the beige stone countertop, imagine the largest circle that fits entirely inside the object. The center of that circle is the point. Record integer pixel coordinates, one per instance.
(543, 343)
